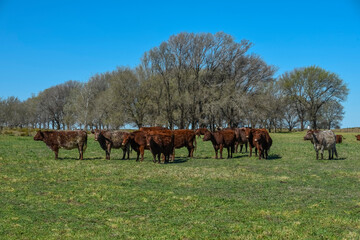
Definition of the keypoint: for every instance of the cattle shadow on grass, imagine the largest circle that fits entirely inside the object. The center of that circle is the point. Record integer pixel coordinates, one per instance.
(84, 159)
(273, 157)
(179, 160)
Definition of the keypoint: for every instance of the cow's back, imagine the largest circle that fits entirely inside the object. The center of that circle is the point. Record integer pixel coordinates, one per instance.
(116, 138)
(228, 137)
(65, 139)
(326, 139)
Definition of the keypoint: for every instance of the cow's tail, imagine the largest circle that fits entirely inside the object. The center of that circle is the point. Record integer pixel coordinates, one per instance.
(195, 143)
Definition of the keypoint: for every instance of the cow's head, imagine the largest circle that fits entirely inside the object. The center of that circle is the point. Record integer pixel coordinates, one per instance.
(309, 135)
(96, 133)
(127, 139)
(207, 136)
(258, 136)
(357, 137)
(247, 132)
(39, 136)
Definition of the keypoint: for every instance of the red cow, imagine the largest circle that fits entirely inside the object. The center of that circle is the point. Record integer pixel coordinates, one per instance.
(221, 139)
(137, 141)
(357, 137)
(249, 135)
(240, 139)
(263, 142)
(185, 138)
(63, 139)
(160, 142)
(109, 139)
(339, 138)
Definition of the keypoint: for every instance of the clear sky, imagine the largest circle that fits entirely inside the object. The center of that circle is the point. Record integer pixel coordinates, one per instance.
(44, 43)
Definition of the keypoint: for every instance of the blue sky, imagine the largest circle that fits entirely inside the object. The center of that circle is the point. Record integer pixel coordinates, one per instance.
(44, 43)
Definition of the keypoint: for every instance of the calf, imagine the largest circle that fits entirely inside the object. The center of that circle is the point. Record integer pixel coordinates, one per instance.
(339, 138)
(63, 139)
(262, 142)
(357, 137)
(240, 139)
(184, 138)
(111, 139)
(221, 139)
(160, 142)
(322, 140)
(137, 141)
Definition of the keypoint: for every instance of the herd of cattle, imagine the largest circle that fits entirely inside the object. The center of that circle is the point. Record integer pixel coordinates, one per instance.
(163, 142)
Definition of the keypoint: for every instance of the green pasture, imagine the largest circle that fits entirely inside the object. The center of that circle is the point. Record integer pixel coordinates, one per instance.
(289, 196)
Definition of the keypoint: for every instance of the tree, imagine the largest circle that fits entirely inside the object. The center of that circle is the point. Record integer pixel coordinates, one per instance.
(310, 88)
(331, 115)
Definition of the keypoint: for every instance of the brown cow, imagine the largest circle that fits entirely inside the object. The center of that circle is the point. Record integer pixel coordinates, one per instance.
(63, 139)
(137, 141)
(240, 139)
(221, 139)
(263, 142)
(185, 138)
(339, 138)
(109, 139)
(357, 137)
(160, 142)
(249, 135)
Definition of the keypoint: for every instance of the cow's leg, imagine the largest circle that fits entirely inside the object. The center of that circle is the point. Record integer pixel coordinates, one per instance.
(330, 153)
(81, 147)
(128, 151)
(192, 151)
(138, 154)
(322, 154)
(317, 155)
(124, 152)
(250, 150)
(108, 151)
(142, 153)
(216, 153)
(246, 146)
(221, 150)
(56, 151)
(236, 147)
(241, 148)
(335, 152)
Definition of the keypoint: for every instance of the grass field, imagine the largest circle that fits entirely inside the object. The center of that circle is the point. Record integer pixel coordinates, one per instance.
(290, 196)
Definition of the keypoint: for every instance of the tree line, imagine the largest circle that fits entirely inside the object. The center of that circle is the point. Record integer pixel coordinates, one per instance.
(191, 80)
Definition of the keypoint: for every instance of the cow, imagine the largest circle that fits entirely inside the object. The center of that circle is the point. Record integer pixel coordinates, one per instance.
(322, 140)
(221, 139)
(262, 141)
(137, 141)
(160, 142)
(339, 138)
(63, 139)
(357, 137)
(249, 136)
(109, 139)
(240, 139)
(201, 131)
(184, 138)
